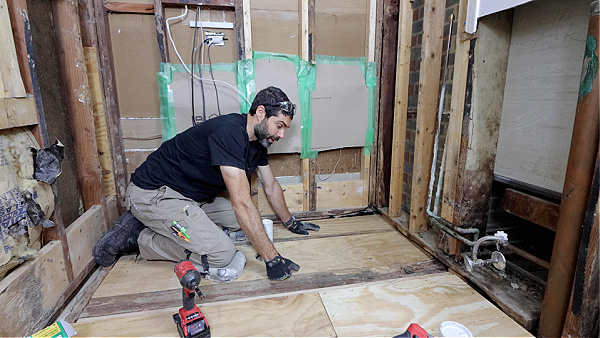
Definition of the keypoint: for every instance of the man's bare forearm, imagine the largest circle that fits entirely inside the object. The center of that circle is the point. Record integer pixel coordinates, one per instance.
(246, 212)
(277, 202)
(249, 219)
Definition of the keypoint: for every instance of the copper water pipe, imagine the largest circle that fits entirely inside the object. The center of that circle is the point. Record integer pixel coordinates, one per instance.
(576, 189)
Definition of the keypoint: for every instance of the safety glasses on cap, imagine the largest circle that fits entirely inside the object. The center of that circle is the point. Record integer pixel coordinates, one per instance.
(287, 107)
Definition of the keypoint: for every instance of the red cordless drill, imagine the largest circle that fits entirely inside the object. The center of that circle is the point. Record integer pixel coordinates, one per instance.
(190, 322)
(414, 331)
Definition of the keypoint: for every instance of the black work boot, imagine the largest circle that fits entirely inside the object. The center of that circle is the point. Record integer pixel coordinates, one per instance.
(121, 239)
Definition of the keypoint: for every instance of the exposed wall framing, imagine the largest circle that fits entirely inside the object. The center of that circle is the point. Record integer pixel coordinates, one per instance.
(286, 15)
(65, 260)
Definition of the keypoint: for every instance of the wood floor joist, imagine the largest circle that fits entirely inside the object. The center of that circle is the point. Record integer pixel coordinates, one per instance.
(136, 302)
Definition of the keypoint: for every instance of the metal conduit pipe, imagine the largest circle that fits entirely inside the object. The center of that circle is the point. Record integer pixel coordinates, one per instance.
(500, 239)
(440, 222)
(528, 256)
(525, 273)
(451, 232)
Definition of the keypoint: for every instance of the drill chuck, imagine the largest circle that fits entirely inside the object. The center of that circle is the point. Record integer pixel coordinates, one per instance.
(188, 276)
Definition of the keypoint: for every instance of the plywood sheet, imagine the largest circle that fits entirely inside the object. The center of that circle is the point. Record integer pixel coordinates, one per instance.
(367, 309)
(312, 253)
(301, 315)
(542, 82)
(340, 107)
(388, 308)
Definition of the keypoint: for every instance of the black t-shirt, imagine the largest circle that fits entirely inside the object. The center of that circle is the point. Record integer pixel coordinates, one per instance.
(189, 162)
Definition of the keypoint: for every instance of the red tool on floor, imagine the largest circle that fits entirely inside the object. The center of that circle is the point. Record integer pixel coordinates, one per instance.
(190, 321)
(414, 331)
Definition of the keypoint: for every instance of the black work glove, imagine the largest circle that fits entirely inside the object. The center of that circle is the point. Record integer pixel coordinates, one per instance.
(279, 268)
(300, 228)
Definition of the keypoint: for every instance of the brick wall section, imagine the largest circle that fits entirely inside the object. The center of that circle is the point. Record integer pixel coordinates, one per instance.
(413, 89)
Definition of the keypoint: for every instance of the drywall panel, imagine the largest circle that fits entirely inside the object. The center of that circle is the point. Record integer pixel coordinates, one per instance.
(182, 97)
(340, 107)
(542, 81)
(390, 307)
(135, 54)
(282, 74)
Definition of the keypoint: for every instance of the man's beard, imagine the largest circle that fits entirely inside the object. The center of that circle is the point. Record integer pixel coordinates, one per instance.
(261, 131)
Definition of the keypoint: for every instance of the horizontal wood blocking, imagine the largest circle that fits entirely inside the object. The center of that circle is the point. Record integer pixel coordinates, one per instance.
(330, 195)
(123, 7)
(17, 112)
(208, 3)
(220, 292)
(531, 208)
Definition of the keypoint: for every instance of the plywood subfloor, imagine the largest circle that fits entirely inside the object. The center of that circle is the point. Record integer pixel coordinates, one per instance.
(358, 277)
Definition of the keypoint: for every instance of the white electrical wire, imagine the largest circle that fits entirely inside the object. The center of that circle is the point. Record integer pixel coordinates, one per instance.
(180, 17)
(334, 168)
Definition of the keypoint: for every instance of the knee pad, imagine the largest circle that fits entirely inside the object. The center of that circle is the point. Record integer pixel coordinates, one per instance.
(231, 272)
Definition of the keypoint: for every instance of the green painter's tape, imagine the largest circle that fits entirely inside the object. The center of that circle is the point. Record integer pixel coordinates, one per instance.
(339, 60)
(370, 73)
(307, 80)
(245, 80)
(276, 56)
(165, 93)
(306, 74)
(590, 67)
(244, 77)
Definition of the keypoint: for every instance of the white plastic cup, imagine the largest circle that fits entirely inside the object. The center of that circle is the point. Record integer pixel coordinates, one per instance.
(268, 224)
(454, 329)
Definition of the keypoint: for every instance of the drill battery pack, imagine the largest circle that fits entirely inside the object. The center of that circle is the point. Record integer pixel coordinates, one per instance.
(194, 325)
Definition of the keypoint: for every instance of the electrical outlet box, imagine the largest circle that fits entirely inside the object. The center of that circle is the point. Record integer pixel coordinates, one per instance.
(214, 38)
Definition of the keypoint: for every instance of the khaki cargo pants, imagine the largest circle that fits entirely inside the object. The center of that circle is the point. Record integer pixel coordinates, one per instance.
(157, 209)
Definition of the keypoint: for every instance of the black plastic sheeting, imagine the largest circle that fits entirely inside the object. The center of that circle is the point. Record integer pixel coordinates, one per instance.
(47, 162)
